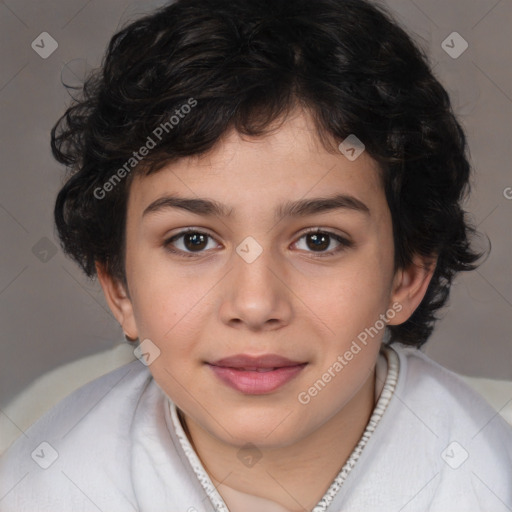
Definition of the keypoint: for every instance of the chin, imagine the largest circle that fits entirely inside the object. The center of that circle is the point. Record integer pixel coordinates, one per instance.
(272, 429)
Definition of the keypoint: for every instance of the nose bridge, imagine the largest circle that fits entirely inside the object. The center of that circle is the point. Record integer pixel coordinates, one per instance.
(253, 262)
(255, 295)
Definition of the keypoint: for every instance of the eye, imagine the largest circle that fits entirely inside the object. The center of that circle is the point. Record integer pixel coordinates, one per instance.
(194, 241)
(319, 241)
(191, 242)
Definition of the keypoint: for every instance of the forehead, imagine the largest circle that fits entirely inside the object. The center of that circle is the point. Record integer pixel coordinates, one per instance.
(253, 175)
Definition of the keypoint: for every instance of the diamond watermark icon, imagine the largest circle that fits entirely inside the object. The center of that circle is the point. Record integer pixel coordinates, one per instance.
(44, 250)
(249, 249)
(249, 455)
(44, 455)
(454, 45)
(44, 45)
(351, 147)
(147, 352)
(454, 455)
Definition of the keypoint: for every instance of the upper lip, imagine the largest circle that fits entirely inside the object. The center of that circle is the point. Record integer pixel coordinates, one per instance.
(247, 361)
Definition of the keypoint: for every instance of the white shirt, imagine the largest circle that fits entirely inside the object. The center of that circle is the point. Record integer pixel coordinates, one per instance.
(116, 445)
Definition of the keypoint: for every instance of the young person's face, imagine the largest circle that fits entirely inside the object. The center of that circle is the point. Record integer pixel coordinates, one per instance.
(303, 298)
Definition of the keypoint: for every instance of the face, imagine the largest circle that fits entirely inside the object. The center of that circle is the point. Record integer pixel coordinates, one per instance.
(282, 290)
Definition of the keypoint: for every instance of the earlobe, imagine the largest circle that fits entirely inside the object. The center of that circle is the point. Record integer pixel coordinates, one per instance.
(410, 285)
(118, 301)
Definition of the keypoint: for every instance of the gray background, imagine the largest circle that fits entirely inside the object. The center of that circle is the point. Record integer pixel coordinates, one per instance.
(51, 314)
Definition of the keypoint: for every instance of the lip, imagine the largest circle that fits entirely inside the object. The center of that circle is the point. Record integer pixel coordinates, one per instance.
(247, 361)
(256, 375)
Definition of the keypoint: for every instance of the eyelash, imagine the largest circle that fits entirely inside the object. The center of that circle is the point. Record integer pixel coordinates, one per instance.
(344, 243)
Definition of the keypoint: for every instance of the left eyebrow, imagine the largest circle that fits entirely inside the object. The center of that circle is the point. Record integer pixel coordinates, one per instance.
(300, 208)
(305, 207)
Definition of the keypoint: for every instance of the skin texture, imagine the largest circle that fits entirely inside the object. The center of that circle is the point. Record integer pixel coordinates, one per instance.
(290, 301)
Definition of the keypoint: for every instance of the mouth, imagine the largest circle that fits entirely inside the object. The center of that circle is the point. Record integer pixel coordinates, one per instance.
(256, 375)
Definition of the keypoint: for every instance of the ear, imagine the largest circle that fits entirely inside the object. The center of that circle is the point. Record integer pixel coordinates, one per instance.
(118, 301)
(410, 285)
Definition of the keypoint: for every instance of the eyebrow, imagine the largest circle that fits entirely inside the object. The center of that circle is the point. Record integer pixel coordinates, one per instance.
(300, 208)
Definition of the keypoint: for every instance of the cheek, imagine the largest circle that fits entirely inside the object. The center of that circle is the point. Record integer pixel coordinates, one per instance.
(352, 297)
(170, 307)
(162, 314)
(172, 302)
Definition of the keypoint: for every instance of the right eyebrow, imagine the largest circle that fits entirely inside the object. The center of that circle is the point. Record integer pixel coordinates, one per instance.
(198, 206)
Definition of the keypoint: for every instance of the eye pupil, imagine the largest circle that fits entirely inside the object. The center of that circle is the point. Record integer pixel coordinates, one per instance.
(320, 240)
(195, 239)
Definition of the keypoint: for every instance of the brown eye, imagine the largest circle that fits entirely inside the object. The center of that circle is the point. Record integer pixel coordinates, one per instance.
(189, 242)
(318, 242)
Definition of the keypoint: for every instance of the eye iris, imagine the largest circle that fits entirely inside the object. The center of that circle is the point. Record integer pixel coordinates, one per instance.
(320, 240)
(196, 239)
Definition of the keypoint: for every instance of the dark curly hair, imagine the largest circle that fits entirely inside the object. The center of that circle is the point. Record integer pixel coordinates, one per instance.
(248, 63)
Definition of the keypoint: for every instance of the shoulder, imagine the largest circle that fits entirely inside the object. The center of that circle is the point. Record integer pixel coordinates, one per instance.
(444, 398)
(46, 391)
(439, 446)
(422, 378)
(110, 395)
(452, 431)
(84, 434)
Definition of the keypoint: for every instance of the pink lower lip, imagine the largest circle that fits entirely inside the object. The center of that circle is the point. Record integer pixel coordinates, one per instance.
(256, 383)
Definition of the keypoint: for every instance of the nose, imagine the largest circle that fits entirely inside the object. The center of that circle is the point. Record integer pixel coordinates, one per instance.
(255, 295)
